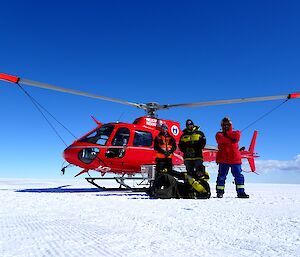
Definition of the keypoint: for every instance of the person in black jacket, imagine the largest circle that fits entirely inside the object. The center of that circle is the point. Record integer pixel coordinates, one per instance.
(191, 143)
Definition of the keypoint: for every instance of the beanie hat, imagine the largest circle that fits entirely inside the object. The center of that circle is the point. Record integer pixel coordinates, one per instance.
(189, 122)
(226, 119)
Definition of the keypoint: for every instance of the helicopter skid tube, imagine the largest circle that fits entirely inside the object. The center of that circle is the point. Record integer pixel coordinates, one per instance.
(120, 180)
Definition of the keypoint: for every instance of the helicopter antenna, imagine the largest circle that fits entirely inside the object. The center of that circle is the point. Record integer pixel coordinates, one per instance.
(118, 120)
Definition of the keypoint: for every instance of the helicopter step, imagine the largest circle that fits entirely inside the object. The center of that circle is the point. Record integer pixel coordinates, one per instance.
(122, 185)
(145, 180)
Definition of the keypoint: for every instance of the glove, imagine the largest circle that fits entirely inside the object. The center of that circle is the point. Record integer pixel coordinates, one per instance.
(167, 153)
(200, 174)
(188, 178)
(185, 177)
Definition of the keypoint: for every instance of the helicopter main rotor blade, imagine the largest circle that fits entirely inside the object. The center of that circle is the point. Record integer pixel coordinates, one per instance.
(15, 79)
(151, 107)
(234, 101)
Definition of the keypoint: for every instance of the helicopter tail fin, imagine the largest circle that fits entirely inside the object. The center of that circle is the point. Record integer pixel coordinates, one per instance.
(253, 142)
(251, 164)
(250, 154)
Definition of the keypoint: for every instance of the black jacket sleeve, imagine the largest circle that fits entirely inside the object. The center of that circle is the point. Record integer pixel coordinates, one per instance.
(181, 145)
(202, 142)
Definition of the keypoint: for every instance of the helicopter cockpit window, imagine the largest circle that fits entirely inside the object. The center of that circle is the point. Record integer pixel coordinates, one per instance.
(99, 136)
(142, 138)
(121, 138)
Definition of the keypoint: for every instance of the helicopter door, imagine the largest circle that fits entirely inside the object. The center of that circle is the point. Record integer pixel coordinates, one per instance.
(142, 150)
(120, 140)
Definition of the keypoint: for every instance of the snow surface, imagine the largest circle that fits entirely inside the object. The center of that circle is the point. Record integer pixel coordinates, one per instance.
(71, 218)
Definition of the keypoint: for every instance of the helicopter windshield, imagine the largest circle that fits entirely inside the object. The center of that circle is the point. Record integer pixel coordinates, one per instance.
(99, 136)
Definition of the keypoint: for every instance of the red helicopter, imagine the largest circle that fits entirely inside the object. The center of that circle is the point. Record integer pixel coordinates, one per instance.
(127, 149)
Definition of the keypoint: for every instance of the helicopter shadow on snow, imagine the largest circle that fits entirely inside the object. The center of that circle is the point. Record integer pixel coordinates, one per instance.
(101, 192)
(60, 189)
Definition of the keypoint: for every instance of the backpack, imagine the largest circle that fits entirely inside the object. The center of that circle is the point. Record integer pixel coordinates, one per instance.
(164, 187)
(193, 188)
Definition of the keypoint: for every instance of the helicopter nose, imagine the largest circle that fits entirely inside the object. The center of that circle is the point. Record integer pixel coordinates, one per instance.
(80, 156)
(69, 155)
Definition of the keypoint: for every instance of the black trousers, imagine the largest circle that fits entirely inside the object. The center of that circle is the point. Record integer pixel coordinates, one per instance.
(194, 167)
(164, 165)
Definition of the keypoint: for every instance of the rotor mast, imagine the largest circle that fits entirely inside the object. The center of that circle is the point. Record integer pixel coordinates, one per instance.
(151, 108)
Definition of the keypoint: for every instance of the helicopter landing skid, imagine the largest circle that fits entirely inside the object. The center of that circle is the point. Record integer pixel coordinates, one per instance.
(121, 181)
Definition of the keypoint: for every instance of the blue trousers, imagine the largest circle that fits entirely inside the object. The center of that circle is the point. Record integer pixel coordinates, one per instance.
(236, 170)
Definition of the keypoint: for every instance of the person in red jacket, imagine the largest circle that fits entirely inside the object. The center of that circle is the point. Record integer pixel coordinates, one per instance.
(229, 156)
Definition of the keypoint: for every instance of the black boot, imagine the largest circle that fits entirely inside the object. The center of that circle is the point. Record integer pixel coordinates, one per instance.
(242, 195)
(220, 194)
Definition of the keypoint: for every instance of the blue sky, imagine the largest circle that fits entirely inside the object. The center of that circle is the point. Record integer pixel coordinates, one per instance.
(143, 51)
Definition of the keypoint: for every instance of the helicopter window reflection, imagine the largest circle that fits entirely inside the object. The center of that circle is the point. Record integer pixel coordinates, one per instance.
(99, 136)
(142, 138)
(122, 137)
